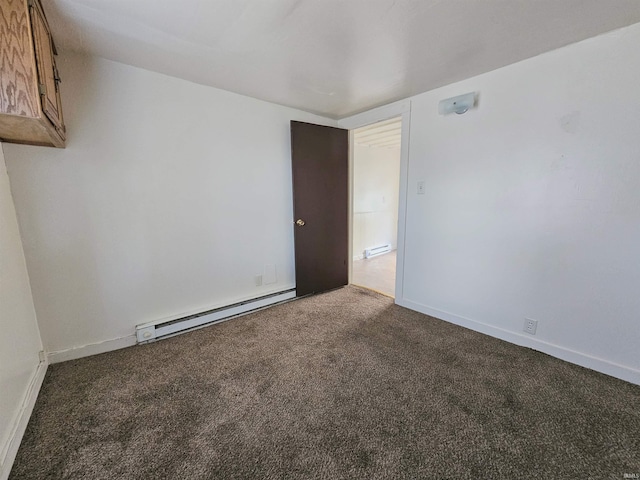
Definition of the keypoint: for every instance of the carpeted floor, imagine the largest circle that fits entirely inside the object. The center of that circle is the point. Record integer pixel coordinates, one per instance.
(341, 385)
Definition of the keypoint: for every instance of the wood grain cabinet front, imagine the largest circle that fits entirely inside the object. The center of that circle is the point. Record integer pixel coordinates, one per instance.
(30, 106)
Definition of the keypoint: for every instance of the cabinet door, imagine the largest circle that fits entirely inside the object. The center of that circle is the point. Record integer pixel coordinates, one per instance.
(18, 89)
(47, 72)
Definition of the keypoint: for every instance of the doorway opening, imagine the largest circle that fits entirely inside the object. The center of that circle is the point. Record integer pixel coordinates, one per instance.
(376, 193)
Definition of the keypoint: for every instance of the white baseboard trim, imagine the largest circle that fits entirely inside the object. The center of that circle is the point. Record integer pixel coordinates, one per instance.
(91, 349)
(598, 364)
(17, 432)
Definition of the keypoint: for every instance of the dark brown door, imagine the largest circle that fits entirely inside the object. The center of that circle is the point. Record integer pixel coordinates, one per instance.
(319, 157)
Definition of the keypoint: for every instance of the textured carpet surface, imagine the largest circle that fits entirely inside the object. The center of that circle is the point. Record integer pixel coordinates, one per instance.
(341, 385)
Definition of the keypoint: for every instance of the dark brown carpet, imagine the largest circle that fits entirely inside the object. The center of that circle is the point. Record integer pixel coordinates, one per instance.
(341, 385)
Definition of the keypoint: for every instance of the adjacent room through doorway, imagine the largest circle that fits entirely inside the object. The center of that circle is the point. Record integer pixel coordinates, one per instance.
(376, 185)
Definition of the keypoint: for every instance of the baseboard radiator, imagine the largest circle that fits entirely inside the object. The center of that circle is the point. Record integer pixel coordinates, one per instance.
(372, 252)
(148, 332)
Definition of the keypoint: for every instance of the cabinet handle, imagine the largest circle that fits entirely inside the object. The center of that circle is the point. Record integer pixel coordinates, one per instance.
(56, 78)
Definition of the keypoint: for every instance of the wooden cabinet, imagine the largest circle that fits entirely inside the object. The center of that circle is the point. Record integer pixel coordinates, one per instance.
(30, 107)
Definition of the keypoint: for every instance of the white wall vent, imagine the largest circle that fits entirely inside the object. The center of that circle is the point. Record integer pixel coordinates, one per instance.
(148, 332)
(372, 252)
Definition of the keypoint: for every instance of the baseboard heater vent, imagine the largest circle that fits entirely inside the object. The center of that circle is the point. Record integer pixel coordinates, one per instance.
(372, 252)
(148, 332)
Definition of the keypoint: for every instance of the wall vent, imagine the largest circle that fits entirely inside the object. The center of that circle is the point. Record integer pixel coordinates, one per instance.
(372, 252)
(148, 332)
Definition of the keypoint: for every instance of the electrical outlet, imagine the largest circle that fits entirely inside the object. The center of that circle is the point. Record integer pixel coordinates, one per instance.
(530, 326)
(421, 187)
(258, 280)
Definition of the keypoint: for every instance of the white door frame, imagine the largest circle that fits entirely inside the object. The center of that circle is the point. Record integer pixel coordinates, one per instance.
(398, 109)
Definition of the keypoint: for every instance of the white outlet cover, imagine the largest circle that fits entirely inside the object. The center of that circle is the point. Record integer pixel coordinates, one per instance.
(530, 326)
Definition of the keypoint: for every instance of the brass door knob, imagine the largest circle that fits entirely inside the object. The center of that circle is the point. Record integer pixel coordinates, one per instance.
(300, 222)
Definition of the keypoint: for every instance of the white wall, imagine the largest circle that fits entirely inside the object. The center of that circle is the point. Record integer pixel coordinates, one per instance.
(170, 197)
(20, 339)
(376, 174)
(532, 206)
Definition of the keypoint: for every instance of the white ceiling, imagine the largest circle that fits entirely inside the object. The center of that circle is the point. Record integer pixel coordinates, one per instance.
(333, 57)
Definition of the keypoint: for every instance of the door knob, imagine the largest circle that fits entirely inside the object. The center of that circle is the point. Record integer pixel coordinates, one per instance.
(300, 222)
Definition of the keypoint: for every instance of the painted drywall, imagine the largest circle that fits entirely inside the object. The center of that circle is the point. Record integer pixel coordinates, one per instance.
(532, 203)
(169, 198)
(20, 338)
(376, 183)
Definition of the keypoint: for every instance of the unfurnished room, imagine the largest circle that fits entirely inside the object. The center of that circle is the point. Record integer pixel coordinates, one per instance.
(319, 239)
